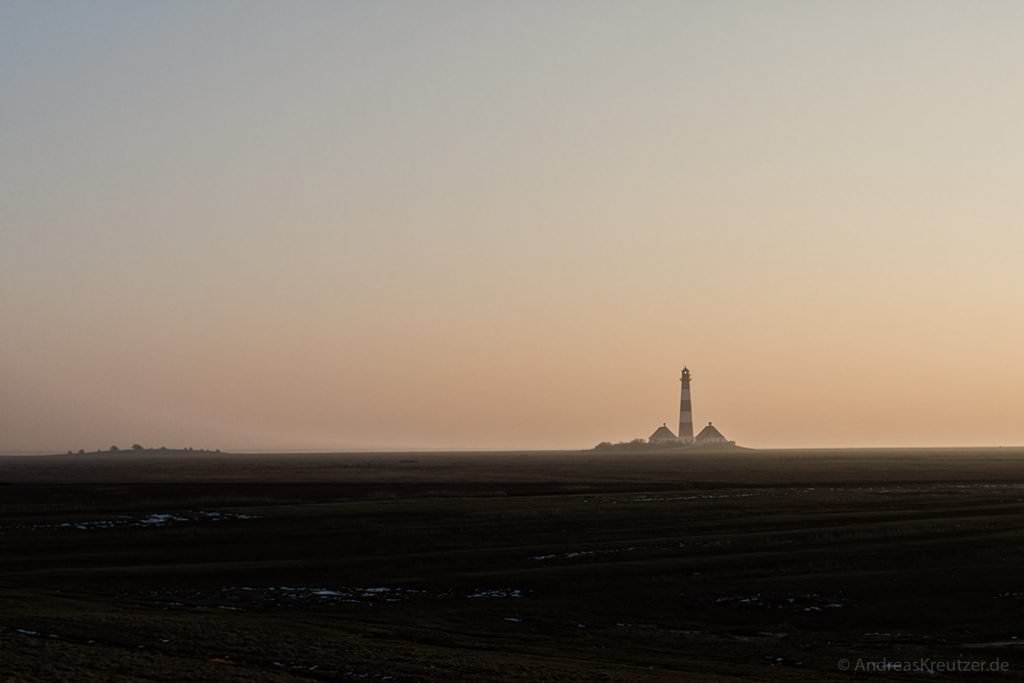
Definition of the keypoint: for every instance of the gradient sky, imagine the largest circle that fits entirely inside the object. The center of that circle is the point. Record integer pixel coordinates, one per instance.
(245, 224)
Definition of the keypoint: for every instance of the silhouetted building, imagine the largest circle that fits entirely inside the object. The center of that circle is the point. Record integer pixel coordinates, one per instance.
(685, 409)
(663, 435)
(710, 436)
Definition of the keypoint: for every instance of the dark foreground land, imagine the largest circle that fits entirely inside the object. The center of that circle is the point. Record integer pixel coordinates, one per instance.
(512, 567)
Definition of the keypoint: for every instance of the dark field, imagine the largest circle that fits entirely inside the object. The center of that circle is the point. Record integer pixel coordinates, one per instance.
(747, 565)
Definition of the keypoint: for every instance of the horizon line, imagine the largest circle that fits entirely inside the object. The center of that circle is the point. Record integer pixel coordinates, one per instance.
(436, 450)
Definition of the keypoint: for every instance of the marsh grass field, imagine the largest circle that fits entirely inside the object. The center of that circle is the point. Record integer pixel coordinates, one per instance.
(564, 566)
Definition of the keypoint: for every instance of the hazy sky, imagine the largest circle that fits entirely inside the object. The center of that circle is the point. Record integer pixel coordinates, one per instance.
(509, 224)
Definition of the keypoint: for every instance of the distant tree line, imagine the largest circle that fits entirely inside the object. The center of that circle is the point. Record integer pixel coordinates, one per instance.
(139, 448)
(636, 444)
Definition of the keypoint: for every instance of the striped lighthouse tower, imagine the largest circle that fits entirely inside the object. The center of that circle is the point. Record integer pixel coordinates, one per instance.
(685, 409)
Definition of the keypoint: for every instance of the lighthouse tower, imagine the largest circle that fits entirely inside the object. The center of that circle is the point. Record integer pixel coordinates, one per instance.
(685, 409)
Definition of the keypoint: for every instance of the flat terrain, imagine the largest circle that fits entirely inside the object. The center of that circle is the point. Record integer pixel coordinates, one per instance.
(727, 566)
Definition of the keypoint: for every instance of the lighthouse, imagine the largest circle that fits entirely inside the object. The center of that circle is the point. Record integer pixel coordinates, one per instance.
(685, 409)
